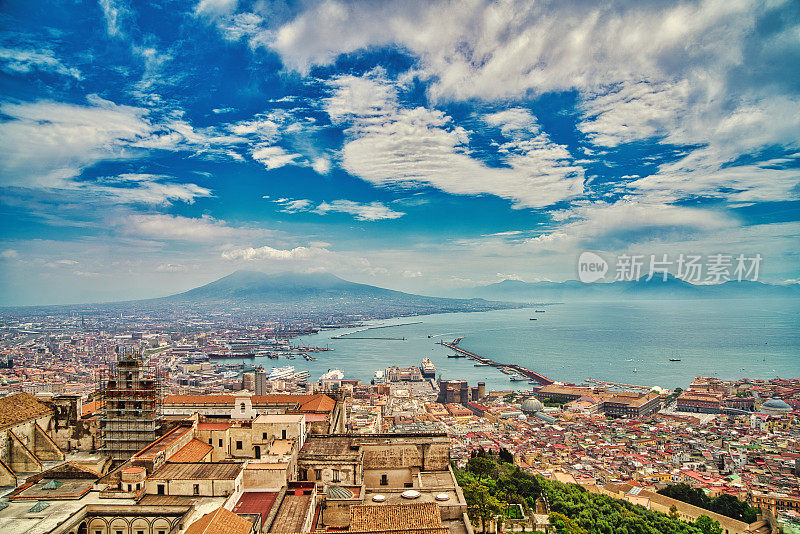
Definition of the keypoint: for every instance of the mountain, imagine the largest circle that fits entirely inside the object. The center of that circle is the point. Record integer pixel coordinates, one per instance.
(293, 294)
(655, 288)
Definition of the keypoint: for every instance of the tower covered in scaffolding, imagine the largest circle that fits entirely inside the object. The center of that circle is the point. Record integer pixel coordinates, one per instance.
(131, 394)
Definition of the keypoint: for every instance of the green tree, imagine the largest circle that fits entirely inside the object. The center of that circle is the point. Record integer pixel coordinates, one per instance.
(708, 525)
(482, 467)
(481, 505)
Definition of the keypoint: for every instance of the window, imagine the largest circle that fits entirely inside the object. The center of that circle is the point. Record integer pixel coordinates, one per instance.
(241, 407)
(160, 489)
(140, 532)
(265, 436)
(317, 474)
(238, 445)
(283, 434)
(384, 480)
(196, 489)
(210, 440)
(336, 475)
(220, 442)
(162, 532)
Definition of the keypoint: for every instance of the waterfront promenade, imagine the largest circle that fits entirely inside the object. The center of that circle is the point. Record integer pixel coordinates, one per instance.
(524, 371)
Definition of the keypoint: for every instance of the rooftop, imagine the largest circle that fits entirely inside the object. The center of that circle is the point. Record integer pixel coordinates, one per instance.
(366, 518)
(198, 471)
(220, 521)
(20, 407)
(194, 451)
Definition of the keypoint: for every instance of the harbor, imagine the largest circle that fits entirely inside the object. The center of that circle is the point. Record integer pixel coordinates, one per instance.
(509, 369)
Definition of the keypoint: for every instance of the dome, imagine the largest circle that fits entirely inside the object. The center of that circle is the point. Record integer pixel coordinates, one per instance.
(776, 404)
(338, 492)
(410, 494)
(532, 405)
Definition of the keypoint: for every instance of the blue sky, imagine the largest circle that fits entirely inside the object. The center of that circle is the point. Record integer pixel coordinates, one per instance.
(148, 147)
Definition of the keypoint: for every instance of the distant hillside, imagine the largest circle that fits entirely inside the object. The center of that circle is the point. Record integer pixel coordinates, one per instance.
(656, 288)
(313, 294)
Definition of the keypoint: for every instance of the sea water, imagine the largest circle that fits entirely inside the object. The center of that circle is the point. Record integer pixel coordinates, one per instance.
(629, 342)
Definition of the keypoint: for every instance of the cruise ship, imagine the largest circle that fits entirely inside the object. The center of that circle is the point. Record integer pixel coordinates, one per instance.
(332, 374)
(279, 373)
(427, 368)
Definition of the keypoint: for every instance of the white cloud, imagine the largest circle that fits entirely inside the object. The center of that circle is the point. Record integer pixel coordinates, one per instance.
(114, 14)
(46, 143)
(294, 206)
(176, 227)
(394, 146)
(633, 111)
(321, 165)
(44, 60)
(171, 268)
(9, 254)
(215, 7)
(711, 74)
(273, 157)
(270, 253)
(373, 211)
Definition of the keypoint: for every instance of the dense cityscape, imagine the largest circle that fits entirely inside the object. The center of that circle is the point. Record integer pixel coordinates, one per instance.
(112, 423)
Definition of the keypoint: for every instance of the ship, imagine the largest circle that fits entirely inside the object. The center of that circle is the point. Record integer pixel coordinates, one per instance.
(533, 319)
(674, 359)
(332, 374)
(539, 311)
(518, 378)
(281, 373)
(427, 368)
(456, 355)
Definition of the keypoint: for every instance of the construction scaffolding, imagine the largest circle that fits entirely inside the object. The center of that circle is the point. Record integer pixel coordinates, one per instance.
(131, 394)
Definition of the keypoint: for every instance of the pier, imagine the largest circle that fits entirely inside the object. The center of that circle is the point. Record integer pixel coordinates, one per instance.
(348, 334)
(524, 371)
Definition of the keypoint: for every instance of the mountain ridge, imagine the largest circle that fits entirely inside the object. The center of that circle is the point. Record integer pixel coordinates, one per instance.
(656, 287)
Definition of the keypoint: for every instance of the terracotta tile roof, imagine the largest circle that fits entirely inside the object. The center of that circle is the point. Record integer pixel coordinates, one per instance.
(20, 407)
(322, 403)
(366, 518)
(220, 521)
(194, 451)
(151, 450)
(89, 408)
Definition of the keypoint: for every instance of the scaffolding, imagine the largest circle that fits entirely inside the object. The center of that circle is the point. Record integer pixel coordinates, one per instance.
(131, 391)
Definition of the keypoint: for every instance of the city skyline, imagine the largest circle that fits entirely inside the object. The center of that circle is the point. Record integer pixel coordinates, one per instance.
(149, 149)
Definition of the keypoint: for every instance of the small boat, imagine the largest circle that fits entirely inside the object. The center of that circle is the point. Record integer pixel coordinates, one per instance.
(533, 319)
(635, 370)
(518, 378)
(456, 356)
(674, 359)
(539, 311)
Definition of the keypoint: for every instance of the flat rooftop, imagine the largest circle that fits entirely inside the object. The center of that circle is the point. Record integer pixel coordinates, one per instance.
(292, 513)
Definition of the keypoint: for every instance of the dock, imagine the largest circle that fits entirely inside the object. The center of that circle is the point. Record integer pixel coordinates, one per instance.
(524, 371)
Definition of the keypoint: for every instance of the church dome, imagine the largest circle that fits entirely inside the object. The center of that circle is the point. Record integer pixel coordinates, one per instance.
(532, 405)
(776, 405)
